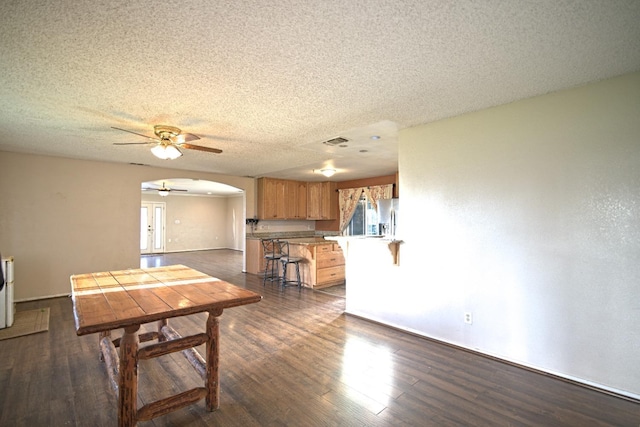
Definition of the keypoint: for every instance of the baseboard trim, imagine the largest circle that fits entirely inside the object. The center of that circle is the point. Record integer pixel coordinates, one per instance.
(192, 250)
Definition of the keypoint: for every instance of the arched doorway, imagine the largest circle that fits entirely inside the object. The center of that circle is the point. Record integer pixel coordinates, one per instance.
(184, 214)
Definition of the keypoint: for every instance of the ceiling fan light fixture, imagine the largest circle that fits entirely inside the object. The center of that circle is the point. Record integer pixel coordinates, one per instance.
(166, 152)
(328, 172)
(162, 192)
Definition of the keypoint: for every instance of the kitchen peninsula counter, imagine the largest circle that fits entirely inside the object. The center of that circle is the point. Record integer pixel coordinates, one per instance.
(253, 245)
(308, 241)
(284, 235)
(323, 264)
(305, 246)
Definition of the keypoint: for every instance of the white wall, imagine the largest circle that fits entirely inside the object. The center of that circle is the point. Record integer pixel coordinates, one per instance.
(60, 217)
(528, 216)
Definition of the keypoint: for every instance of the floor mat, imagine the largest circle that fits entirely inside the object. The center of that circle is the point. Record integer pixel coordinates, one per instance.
(27, 322)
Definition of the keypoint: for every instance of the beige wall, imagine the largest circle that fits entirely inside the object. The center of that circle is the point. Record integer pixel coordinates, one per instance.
(62, 216)
(201, 222)
(528, 216)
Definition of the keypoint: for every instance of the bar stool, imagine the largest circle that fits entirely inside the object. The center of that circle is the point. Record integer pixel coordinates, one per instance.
(272, 249)
(285, 260)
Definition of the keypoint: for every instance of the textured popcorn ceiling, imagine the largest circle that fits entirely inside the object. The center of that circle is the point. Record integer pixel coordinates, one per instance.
(267, 82)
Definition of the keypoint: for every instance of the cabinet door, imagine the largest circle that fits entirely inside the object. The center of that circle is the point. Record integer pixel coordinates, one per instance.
(281, 199)
(255, 256)
(322, 200)
(301, 202)
(314, 200)
(271, 198)
(266, 198)
(296, 199)
(328, 201)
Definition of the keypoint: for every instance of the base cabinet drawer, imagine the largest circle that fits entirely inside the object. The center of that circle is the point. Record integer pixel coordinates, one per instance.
(330, 259)
(324, 249)
(329, 275)
(323, 263)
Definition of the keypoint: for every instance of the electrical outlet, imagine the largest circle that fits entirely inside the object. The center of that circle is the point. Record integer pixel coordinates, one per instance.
(468, 318)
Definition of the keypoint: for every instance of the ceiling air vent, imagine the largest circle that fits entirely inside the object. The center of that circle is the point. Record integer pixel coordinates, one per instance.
(336, 141)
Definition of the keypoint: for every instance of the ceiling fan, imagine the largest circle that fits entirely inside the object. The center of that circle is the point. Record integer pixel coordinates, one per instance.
(169, 140)
(164, 190)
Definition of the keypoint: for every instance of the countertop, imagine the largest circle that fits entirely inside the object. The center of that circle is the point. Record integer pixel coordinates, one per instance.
(295, 237)
(385, 239)
(308, 241)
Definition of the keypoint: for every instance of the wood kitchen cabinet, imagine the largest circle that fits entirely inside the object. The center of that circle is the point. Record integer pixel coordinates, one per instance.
(296, 200)
(286, 199)
(322, 200)
(323, 264)
(271, 198)
(255, 256)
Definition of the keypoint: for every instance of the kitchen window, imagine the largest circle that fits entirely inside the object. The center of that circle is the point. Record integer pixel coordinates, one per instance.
(364, 221)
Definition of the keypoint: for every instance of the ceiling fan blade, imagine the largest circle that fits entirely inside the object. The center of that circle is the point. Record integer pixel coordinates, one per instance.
(135, 133)
(177, 189)
(201, 148)
(186, 137)
(133, 143)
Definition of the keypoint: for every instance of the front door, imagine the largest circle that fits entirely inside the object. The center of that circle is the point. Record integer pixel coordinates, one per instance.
(152, 228)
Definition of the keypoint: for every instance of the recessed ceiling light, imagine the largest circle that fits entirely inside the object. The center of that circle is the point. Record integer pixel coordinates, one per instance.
(375, 137)
(364, 151)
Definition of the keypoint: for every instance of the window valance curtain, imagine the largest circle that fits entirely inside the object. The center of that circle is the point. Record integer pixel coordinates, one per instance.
(348, 200)
(378, 192)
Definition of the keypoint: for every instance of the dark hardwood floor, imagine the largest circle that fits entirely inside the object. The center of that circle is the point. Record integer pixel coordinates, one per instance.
(293, 359)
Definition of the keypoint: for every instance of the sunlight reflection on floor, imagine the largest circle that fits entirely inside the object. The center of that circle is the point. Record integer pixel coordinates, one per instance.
(151, 261)
(368, 369)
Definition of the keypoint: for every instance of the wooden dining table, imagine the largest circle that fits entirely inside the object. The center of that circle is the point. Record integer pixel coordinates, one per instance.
(127, 299)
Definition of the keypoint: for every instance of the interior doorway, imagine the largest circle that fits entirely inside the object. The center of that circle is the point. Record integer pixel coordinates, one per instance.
(152, 227)
(198, 214)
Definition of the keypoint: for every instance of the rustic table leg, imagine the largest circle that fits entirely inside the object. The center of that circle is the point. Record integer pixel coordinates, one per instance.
(100, 336)
(160, 324)
(128, 382)
(213, 353)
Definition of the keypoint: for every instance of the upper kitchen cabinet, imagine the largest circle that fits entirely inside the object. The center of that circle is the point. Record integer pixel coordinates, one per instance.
(322, 200)
(271, 198)
(296, 200)
(285, 199)
(281, 199)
